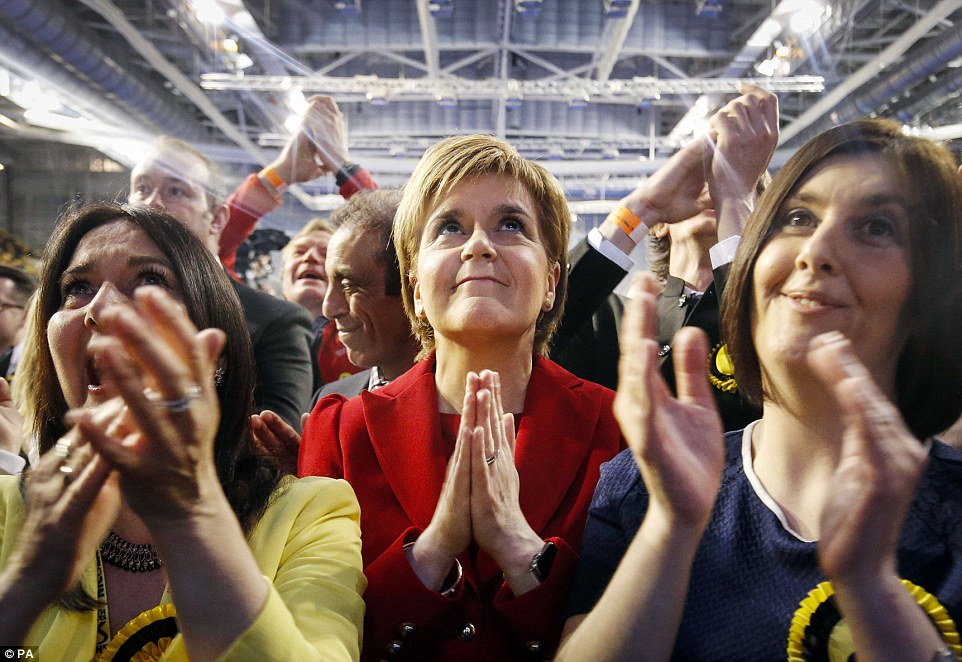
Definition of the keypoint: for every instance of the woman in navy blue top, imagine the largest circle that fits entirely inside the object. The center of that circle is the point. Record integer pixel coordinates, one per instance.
(827, 527)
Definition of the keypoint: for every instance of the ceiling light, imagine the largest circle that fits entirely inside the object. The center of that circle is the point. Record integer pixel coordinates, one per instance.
(616, 8)
(349, 7)
(441, 8)
(527, 7)
(297, 101)
(230, 45)
(209, 12)
(378, 98)
(446, 99)
(806, 16)
(708, 8)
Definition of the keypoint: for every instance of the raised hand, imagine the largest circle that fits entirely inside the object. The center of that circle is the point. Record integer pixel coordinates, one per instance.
(678, 190)
(72, 500)
(500, 528)
(677, 442)
(162, 440)
(324, 124)
(275, 438)
(745, 133)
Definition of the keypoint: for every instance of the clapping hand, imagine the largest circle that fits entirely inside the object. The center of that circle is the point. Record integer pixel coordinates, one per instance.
(677, 442)
(161, 436)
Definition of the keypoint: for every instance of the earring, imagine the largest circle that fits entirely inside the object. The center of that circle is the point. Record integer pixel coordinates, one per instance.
(219, 376)
(418, 309)
(548, 302)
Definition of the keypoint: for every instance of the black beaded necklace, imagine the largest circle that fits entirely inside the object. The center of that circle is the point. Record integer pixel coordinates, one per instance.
(129, 556)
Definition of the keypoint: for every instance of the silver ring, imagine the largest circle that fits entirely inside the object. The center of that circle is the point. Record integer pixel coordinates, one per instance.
(178, 405)
(66, 472)
(64, 447)
(491, 458)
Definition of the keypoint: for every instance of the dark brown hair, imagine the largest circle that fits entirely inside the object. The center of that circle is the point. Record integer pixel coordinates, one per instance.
(929, 372)
(248, 479)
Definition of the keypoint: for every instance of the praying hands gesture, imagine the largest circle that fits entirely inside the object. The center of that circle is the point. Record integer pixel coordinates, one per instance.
(479, 499)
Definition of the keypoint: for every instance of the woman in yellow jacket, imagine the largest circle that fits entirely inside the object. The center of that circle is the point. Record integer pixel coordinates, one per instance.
(154, 469)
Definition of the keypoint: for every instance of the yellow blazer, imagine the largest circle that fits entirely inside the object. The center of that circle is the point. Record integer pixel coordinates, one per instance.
(307, 545)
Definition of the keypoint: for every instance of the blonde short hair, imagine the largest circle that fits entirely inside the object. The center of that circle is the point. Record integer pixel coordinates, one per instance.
(443, 167)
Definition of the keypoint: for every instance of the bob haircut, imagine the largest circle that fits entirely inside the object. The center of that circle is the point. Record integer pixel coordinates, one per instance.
(444, 166)
(929, 371)
(246, 477)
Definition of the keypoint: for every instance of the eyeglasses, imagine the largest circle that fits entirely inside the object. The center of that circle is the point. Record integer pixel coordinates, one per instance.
(5, 304)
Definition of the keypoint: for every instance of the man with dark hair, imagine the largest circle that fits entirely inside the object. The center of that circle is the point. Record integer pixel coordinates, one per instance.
(188, 185)
(363, 297)
(16, 288)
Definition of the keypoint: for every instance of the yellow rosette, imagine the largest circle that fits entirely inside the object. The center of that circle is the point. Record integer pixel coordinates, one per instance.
(144, 638)
(819, 632)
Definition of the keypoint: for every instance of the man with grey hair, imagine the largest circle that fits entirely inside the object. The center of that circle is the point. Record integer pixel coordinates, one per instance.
(182, 181)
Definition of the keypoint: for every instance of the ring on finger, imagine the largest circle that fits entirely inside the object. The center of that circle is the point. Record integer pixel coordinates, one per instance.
(66, 471)
(489, 460)
(64, 447)
(177, 405)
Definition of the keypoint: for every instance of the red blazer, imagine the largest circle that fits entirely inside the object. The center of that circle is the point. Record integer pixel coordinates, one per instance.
(387, 444)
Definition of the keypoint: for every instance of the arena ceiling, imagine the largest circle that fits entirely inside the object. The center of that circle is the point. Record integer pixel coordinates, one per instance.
(601, 90)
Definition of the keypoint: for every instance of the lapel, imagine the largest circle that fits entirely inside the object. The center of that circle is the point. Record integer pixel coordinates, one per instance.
(405, 430)
(553, 440)
(671, 316)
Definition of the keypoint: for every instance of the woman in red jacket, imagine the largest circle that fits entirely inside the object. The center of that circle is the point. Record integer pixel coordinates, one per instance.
(471, 531)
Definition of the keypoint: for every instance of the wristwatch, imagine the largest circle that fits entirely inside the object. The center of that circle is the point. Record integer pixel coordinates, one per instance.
(541, 562)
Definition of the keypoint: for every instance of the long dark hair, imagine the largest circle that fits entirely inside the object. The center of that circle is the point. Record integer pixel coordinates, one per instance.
(247, 478)
(929, 371)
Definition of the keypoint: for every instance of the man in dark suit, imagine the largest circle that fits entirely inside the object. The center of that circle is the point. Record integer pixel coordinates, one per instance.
(696, 224)
(184, 182)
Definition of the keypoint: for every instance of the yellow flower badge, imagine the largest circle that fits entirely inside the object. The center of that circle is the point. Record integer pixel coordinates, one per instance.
(721, 370)
(819, 632)
(144, 638)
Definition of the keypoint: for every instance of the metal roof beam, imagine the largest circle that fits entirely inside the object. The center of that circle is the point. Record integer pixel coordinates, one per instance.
(615, 42)
(429, 36)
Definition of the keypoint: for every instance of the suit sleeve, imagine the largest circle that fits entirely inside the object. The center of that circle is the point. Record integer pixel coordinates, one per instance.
(284, 369)
(591, 279)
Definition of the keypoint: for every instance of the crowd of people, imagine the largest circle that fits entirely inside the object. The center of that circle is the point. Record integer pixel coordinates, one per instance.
(451, 441)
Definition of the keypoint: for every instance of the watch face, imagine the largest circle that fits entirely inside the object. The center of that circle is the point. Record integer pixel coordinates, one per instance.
(541, 562)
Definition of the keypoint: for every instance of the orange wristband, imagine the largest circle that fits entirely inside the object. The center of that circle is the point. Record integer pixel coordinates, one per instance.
(625, 219)
(272, 181)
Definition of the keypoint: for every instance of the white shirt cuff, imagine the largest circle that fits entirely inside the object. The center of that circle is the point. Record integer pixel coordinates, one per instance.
(724, 251)
(11, 464)
(598, 242)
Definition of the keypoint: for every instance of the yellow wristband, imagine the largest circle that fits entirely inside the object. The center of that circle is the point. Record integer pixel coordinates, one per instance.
(625, 219)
